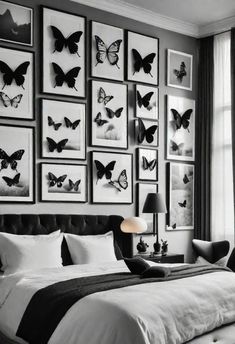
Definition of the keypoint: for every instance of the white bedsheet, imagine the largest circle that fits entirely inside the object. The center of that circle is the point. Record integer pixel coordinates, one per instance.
(170, 312)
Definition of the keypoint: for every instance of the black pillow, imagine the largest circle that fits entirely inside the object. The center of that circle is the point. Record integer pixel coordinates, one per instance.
(156, 271)
(136, 265)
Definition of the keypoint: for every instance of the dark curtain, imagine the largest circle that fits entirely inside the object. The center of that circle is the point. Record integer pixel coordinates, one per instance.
(233, 103)
(204, 118)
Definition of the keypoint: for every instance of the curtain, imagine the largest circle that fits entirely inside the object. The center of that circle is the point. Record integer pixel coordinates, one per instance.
(233, 103)
(203, 139)
(222, 211)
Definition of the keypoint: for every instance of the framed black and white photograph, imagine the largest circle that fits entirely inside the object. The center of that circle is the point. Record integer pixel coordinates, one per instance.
(146, 132)
(142, 192)
(64, 53)
(112, 178)
(180, 196)
(142, 58)
(107, 51)
(180, 128)
(16, 23)
(109, 115)
(147, 102)
(63, 183)
(63, 130)
(147, 164)
(16, 84)
(17, 164)
(179, 69)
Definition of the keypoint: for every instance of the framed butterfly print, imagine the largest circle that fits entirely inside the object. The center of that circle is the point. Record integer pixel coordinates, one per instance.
(63, 183)
(107, 51)
(64, 53)
(147, 164)
(142, 191)
(147, 102)
(179, 69)
(180, 128)
(16, 164)
(16, 84)
(180, 196)
(63, 130)
(142, 58)
(109, 115)
(16, 23)
(112, 178)
(146, 132)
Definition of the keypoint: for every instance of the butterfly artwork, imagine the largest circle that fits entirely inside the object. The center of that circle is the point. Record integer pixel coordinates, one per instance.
(69, 78)
(11, 160)
(99, 121)
(51, 122)
(74, 185)
(182, 204)
(121, 183)
(10, 75)
(69, 42)
(141, 63)
(149, 165)
(182, 120)
(111, 114)
(102, 97)
(174, 226)
(145, 100)
(176, 148)
(70, 124)
(186, 179)
(104, 170)
(13, 102)
(59, 146)
(110, 53)
(144, 133)
(56, 181)
(181, 72)
(12, 181)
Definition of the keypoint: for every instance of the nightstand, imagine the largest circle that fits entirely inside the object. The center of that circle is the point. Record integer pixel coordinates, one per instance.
(169, 258)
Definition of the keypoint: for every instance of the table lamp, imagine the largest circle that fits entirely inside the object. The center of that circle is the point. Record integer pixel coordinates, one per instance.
(155, 205)
(133, 225)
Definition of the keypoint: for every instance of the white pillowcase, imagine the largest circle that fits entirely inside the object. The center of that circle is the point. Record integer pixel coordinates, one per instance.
(29, 252)
(221, 262)
(86, 249)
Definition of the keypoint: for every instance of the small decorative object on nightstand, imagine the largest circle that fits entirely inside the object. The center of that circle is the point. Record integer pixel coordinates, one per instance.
(142, 246)
(164, 249)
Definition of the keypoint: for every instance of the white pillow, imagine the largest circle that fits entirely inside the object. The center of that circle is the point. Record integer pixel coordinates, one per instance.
(86, 249)
(29, 252)
(221, 262)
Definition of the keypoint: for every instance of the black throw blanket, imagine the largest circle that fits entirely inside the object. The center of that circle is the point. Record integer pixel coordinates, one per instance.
(48, 305)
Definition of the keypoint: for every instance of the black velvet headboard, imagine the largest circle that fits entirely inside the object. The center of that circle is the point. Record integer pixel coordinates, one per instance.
(33, 224)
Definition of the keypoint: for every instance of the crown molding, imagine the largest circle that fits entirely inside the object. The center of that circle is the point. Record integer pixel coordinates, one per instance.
(142, 15)
(217, 27)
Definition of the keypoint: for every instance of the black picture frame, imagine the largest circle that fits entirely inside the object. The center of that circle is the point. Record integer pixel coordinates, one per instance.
(11, 169)
(62, 197)
(149, 173)
(13, 15)
(113, 192)
(47, 84)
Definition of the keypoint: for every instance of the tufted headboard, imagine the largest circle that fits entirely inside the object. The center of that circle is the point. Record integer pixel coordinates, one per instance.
(33, 224)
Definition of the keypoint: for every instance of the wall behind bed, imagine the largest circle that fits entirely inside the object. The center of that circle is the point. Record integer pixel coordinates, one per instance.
(180, 241)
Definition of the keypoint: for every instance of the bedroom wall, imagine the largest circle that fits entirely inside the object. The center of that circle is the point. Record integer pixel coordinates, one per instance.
(180, 241)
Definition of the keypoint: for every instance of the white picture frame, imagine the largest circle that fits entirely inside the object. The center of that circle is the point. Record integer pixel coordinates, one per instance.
(147, 102)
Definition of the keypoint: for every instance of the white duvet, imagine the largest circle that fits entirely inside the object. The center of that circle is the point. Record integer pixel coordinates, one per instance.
(170, 312)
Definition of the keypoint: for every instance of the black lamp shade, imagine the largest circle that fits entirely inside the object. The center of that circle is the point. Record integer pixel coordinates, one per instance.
(154, 204)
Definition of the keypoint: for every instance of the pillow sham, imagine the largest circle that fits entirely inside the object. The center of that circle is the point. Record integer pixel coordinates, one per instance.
(29, 252)
(86, 249)
(221, 262)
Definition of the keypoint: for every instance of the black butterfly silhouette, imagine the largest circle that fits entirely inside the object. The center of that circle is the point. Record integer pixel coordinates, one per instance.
(143, 133)
(183, 205)
(174, 226)
(185, 179)
(70, 124)
(176, 147)
(74, 186)
(144, 63)
(145, 100)
(121, 182)
(10, 160)
(182, 121)
(14, 102)
(53, 180)
(9, 75)
(52, 145)
(70, 42)
(111, 52)
(180, 73)
(52, 123)
(102, 97)
(12, 181)
(99, 121)
(111, 113)
(104, 170)
(149, 165)
(69, 77)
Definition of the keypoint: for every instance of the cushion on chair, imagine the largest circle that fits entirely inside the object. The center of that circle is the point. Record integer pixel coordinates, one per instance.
(211, 251)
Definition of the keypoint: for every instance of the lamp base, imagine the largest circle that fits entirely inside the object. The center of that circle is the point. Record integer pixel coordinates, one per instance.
(157, 247)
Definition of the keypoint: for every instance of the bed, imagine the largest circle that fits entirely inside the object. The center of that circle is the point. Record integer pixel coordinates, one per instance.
(196, 310)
